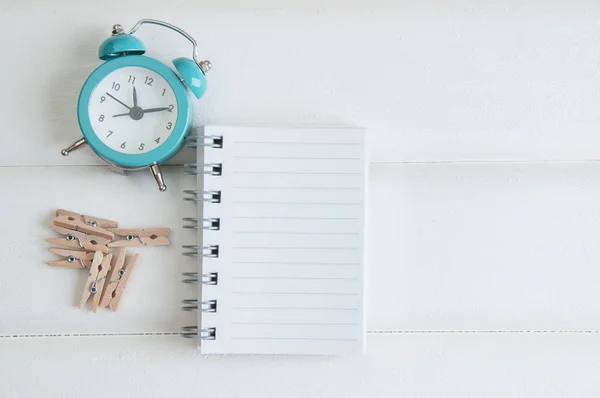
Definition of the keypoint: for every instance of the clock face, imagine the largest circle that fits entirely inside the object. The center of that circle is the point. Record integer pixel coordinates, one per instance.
(133, 110)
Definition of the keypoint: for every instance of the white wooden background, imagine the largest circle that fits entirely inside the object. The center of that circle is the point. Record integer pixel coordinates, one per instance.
(484, 215)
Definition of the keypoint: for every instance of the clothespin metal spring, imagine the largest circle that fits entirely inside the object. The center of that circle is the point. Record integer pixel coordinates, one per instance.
(73, 258)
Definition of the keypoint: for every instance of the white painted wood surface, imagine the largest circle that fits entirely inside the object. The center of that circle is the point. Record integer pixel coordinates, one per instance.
(417, 365)
(431, 80)
(482, 277)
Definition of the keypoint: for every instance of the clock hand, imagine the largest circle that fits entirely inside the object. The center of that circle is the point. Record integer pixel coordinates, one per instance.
(120, 102)
(141, 111)
(134, 97)
(156, 109)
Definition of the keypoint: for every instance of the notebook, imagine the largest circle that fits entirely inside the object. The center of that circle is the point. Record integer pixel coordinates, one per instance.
(280, 243)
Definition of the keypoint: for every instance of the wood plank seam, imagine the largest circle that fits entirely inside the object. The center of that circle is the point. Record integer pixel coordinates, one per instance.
(373, 332)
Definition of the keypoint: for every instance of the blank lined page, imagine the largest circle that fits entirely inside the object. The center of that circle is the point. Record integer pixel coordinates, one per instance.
(291, 252)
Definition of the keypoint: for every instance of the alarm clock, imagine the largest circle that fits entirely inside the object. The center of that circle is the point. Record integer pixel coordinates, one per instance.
(133, 110)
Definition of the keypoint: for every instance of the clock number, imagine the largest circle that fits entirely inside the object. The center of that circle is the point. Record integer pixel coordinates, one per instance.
(101, 118)
(169, 125)
(116, 86)
(164, 91)
(131, 79)
(102, 99)
(141, 147)
(123, 145)
(157, 140)
(170, 108)
(149, 81)
(110, 132)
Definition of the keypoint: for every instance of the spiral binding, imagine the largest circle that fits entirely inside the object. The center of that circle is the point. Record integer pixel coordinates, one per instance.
(210, 251)
(192, 332)
(198, 223)
(202, 279)
(199, 305)
(212, 224)
(211, 141)
(202, 196)
(213, 169)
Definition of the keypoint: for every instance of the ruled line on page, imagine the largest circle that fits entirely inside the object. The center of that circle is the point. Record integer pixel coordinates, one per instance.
(295, 308)
(293, 248)
(299, 188)
(293, 263)
(294, 218)
(294, 338)
(297, 293)
(297, 142)
(295, 278)
(295, 323)
(294, 233)
(295, 172)
(293, 158)
(249, 202)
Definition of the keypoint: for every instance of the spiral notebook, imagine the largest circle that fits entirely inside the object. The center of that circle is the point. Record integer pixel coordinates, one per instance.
(280, 241)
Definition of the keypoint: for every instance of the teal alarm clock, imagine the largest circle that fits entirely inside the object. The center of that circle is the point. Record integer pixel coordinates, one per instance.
(133, 110)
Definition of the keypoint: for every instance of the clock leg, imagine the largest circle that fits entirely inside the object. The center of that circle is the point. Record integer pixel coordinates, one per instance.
(74, 146)
(157, 174)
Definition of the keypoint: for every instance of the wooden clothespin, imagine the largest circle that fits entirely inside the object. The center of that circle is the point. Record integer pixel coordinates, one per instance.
(77, 240)
(73, 258)
(116, 274)
(71, 241)
(80, 238)
(140, 237)
(75, 224)
(96, 279)
(91, 220)
(117, 280)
